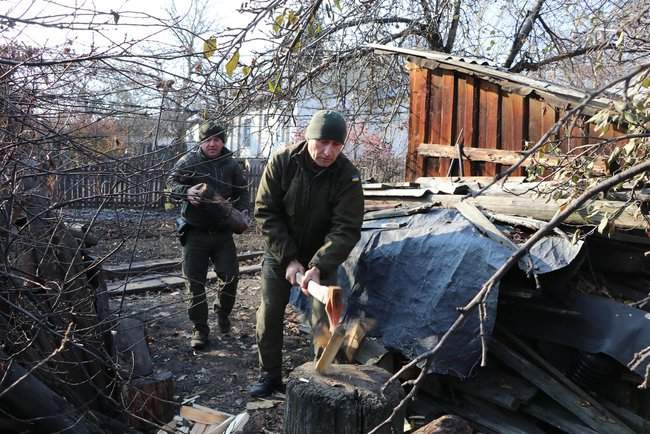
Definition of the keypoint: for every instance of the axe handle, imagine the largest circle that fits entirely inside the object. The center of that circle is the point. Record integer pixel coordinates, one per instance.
(316, 290)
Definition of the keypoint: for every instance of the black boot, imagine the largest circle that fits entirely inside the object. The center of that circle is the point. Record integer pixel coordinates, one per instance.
(200, 337)
(266, 386)
(224, 323)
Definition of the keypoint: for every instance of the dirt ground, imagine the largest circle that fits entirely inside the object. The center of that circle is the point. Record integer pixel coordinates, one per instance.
(219, 376)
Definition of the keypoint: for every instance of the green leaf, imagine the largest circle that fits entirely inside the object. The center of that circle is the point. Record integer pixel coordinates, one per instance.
(646, 82)
(277, 24)
(246, 70)
(337, 3)
(209, 47)
(292, 17)
(274, 86)
(296, 46)
(232, 64)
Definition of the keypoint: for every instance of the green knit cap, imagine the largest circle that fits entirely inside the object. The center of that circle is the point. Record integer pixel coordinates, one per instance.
(212, 128)
(327, 125)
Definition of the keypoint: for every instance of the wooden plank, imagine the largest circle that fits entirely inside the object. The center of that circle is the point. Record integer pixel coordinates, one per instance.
(198, 428)
(582, 408)
(432, 166)
(592, 213)
(479, 179)
(488, 121)
(447, 116)
(499, 156)
(470, 121)
(158, 282)
(534, 120)
(418, 120)
(481, 222)
(554, 415)
(483, 414)
(220, 428)
(121, 270)
(203, 415)
(512, 124)
(497, 387)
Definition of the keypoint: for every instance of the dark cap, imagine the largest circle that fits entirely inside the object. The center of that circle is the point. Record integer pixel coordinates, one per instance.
(327, 125)
(212, 128)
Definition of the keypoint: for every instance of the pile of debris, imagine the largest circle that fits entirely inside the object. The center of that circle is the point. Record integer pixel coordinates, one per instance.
(567, 332)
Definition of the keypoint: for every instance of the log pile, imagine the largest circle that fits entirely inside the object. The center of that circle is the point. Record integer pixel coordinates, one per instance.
(540, 377)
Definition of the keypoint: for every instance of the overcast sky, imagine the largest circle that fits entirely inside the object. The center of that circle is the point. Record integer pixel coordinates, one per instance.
(136, 20)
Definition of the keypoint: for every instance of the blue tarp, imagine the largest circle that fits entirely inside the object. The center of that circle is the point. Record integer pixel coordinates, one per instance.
(413, 279)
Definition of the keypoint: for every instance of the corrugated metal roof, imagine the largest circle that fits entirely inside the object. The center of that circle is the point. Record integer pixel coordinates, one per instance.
(483, 67)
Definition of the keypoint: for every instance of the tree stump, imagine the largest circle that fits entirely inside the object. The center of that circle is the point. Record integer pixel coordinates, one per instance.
(150, 399)
(346, 401)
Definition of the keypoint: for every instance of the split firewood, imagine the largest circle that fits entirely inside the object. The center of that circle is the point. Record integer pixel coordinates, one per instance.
(221, 208)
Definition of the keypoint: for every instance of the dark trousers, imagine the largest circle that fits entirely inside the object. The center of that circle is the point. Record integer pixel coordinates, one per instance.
(270, 317)
(201, 247)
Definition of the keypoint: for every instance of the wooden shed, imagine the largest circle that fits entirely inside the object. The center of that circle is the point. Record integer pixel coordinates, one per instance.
(461, 103)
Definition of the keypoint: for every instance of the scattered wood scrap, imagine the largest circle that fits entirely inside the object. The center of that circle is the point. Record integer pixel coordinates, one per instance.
(197, 419)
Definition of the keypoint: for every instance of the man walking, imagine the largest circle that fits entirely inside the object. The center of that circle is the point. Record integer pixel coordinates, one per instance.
(309, 206)
(204, 234)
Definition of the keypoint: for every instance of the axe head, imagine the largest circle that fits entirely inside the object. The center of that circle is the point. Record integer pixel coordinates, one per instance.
(334, 306)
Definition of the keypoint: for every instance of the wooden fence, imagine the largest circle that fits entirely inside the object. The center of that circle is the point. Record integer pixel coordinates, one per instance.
(133, 183)
(140, 182)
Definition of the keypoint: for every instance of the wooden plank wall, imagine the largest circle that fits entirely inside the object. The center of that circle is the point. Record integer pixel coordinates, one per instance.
(447, 107)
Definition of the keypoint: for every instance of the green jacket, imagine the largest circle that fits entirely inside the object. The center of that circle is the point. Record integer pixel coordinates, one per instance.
(223, 173)
(314, 217)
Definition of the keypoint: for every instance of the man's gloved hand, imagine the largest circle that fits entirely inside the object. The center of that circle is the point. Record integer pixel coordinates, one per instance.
(293, 268)
(194, 194)
(312, 274)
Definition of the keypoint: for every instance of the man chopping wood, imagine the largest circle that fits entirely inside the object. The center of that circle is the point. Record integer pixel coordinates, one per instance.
(309, 206)
(214, 193)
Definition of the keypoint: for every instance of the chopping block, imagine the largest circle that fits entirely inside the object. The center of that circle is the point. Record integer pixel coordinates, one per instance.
(348, 400)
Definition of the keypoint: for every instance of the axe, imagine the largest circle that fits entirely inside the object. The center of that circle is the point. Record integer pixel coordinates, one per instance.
(330, 296)
(332, 339)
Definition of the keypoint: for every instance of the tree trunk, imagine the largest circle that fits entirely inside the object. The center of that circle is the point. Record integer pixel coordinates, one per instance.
(347, 401)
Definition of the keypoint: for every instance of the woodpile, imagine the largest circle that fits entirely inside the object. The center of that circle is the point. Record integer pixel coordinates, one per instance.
(542, 374)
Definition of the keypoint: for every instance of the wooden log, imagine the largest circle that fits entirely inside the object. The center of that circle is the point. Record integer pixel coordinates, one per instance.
(150, 399)
(133, 352)
(31, 399)
(348, 401)
(502, 156)
(447, 424)
(581, 406)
